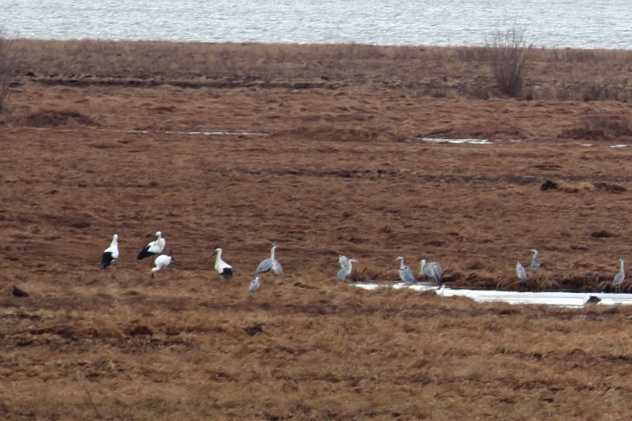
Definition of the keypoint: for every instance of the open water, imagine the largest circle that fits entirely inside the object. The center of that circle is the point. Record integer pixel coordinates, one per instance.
(549, 23)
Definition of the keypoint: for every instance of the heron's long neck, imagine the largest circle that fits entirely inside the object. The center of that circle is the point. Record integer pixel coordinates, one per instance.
(272, 254)
(218, 258)
(423, 264)
(622, 266)
(535, 254)
(401, 263)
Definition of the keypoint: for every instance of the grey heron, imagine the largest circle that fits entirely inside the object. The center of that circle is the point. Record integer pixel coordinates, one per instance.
(405, 274)
(153, 247)
(254, 285)
(432, 270)
(343, 260)
(535, 261)
(345, 270)
(271, 263)
(441, 291)
(111, 253)
(161, 262)
(619, 277)
(223, 268)
(522, 273)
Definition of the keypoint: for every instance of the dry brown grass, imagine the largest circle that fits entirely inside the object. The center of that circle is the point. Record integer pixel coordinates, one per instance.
(577, 75)
(343, 170)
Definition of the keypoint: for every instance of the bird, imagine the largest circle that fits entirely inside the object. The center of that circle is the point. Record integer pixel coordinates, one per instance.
(535, 261)
(432, 270)
(619, 277)
(161, 262)
(254, 285)
(405, 274)
(343, 260)
(271, 263)
(111, 253)
(221, 266)
(153, 247)
(522, 273)
(441, 291)
(345, 270)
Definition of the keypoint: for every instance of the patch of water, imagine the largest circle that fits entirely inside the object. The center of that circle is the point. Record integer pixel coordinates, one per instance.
(559, 299)
(556, 24)
(458, 141)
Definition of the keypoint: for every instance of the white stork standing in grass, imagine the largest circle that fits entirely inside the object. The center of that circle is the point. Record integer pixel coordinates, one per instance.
(161, 262)
(153, 248)
(111, 253)
(223, 268)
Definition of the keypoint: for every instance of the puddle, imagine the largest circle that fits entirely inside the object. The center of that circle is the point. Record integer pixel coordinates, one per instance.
(193, 133)
(458, 141)
(201, 132)
(559, 299)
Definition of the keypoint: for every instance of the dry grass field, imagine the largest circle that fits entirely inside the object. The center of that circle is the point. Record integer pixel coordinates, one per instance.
(321, 150)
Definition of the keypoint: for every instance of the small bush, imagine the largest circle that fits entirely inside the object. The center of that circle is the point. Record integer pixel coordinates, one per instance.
(7, 66)
(509, 56)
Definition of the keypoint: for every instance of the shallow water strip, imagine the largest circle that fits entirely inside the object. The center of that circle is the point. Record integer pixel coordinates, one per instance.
(561, 299)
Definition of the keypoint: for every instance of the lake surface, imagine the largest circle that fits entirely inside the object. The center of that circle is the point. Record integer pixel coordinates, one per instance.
(553, 24)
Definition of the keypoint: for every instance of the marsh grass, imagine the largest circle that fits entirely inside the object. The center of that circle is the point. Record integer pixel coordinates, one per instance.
(581, 75)
(343, 169)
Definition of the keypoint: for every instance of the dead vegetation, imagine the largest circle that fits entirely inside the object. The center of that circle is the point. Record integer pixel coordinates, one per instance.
(326, 169)
(565, 75)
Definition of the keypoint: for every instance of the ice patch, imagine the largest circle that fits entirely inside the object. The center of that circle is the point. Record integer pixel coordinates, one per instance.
(458, 141)
(560, 299)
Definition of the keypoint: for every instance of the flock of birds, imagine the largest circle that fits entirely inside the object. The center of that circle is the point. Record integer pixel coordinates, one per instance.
(431, 270)
(535, 266)
(161, 261)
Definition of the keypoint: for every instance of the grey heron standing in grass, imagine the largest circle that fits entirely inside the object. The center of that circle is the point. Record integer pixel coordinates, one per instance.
(223, 268)
(254, 285)
(343, 260)
(432, 270)
(271, 263)
(405, 274)
(522, 273)
(345, 270)
(619, 277)
(535, 261)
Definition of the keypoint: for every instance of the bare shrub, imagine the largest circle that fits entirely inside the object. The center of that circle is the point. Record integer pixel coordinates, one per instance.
(509, 58)
(7, 66)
